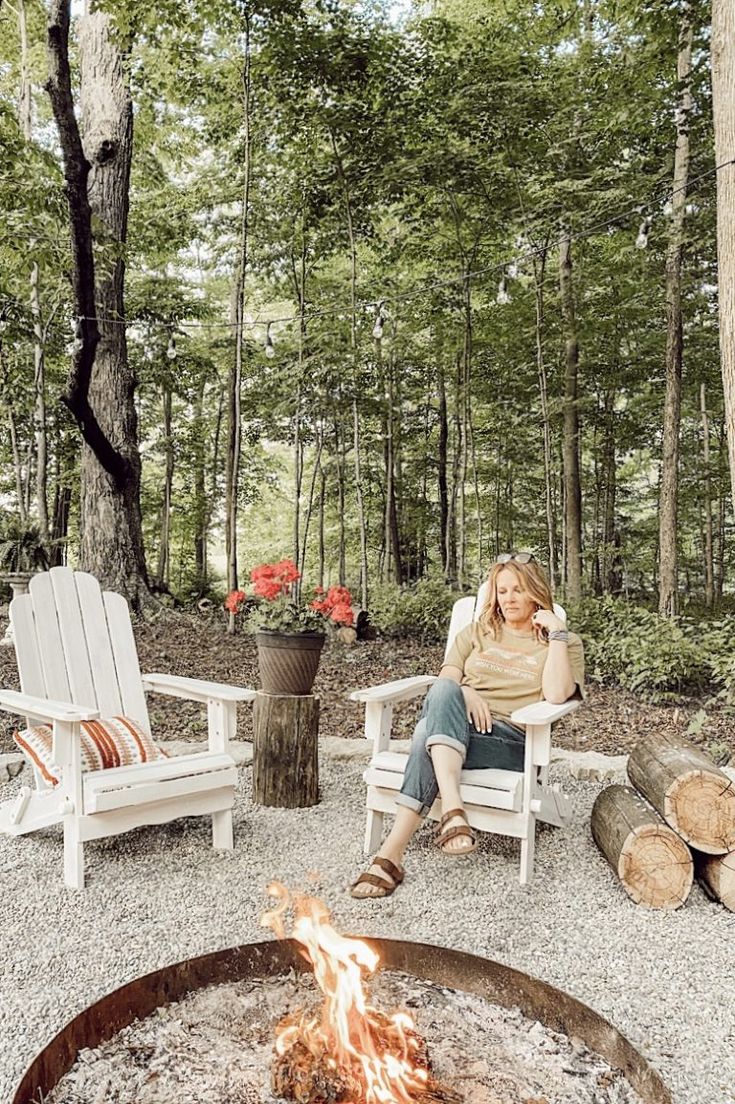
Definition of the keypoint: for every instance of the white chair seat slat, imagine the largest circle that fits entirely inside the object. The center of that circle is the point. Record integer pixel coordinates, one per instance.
(99, 649)
(30, 669)
(74, 644)
(48, 633)
(145, 792)
(177, 766)
(395, 762)
(125, 655)
(487, 796)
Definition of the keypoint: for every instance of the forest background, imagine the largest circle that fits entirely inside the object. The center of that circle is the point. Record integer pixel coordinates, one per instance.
(387, 290)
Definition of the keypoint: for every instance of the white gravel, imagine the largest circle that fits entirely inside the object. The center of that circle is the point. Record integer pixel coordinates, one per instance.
(158, 895)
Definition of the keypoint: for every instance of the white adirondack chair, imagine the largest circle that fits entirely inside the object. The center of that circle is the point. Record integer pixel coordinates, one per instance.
(78, 661)
(505, 802)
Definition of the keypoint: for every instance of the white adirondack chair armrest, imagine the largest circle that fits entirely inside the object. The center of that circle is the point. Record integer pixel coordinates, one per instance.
(178, 686)
(44, 709)
(543, 712)
(400, 690)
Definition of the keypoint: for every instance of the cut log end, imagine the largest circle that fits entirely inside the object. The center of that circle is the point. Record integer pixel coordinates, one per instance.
(700, 806)
(656, 868)
(654, 865)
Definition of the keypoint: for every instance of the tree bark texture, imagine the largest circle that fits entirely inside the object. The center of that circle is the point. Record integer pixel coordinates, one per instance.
(653, 864)
(164, 556)
(692, 795)
(111, 545)
(442, 466)
(669, 486)
(709, 573)
(723, 111)
(234, 412)
(572, 487)
(285, 750)
(539, 267)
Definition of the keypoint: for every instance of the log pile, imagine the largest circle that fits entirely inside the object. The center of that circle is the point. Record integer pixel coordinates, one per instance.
(677, 820)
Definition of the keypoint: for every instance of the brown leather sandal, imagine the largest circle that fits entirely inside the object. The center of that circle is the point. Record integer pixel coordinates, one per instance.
(444, 835)
(396, 877)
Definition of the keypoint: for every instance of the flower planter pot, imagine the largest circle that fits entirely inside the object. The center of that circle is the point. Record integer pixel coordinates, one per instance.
(288, 662)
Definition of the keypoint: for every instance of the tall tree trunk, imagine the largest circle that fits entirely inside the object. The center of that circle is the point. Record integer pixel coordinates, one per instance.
(709, 586)
(234, 398)
(164, 555)
(723, 109)
(200, 492)
(572, 486)
(340, 460)
(310, 503)
(111, 545)
(25, 101)
(669, 500)
(322, 501)
(611, 581)
(539, 268)
(39, 412)
(353, 348)
(442, 462)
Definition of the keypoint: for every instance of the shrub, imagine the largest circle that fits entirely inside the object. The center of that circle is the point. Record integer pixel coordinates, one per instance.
(658, 657)
(421, 610)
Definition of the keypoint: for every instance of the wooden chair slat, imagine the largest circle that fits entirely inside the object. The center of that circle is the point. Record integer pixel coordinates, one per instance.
(48, 635)
(79, 671)
(99, 649)
(125, 655)
(32, 680)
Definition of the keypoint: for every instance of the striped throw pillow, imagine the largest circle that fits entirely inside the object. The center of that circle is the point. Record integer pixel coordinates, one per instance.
(115, 742)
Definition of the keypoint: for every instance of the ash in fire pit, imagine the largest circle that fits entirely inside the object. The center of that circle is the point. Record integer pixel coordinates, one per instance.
(320, 1038)
(216, 1047)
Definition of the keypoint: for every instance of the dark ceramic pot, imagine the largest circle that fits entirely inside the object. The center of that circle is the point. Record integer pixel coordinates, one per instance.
(288, 662)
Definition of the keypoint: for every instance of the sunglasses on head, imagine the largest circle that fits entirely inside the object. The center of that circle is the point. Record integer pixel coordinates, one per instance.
(519, 557)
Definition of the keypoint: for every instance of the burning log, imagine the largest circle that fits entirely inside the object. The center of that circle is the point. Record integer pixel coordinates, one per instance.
(346, 1052)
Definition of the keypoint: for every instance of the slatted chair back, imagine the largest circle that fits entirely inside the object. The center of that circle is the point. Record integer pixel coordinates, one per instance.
(75, 643)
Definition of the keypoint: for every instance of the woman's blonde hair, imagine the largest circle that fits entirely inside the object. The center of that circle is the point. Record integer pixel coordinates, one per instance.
(532, 578)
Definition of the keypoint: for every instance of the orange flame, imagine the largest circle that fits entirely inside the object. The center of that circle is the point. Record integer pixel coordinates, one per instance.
(348, 1027)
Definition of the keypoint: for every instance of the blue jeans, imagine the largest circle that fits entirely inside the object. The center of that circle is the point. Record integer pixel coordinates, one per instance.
(444, 721)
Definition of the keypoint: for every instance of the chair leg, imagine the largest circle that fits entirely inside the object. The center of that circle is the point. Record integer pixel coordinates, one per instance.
(528, 843)
(73, 855)
(222, 837)
(373, 831)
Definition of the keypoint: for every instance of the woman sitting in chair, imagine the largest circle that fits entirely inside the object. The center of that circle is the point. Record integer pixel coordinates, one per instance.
(516, 653)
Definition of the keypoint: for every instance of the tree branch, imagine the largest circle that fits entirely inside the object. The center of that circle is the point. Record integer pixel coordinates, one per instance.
(76, 172)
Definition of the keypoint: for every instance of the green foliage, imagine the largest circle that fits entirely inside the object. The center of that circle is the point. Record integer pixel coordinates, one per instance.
(421, 611)
(658, 657)
(21, 547)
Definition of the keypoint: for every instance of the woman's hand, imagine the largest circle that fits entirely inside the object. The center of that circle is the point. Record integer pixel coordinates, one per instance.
(478, 710)
(546, 620)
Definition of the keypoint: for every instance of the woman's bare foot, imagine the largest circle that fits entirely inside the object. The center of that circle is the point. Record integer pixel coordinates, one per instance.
(380, 879)
(455, 837)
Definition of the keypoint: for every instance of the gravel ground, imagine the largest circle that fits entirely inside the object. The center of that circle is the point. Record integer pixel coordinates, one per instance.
(158, 895)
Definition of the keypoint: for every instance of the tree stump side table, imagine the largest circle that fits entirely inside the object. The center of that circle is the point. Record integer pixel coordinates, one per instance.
(285, 750)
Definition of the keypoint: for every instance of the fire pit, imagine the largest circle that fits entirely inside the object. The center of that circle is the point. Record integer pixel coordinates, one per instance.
(451, 987)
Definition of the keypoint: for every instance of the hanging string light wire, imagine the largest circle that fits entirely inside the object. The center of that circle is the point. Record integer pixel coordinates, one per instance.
(504, 267)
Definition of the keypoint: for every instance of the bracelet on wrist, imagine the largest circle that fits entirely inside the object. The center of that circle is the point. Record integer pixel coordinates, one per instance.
(559, 634)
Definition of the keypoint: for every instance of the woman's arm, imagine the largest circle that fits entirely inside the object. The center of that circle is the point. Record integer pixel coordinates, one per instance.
(557, 682)
(449, 671)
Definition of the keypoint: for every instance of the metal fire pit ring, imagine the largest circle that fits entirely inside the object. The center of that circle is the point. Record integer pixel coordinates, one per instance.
(497, 983)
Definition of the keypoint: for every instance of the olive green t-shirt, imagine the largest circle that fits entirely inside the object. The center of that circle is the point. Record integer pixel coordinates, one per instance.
(507, 670)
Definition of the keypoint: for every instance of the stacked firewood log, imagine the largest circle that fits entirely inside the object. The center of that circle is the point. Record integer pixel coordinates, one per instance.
(676, 820)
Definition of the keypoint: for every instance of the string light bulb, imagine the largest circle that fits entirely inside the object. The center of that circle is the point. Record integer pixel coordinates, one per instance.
(502, 298)
(270, 350)
(379, 321)
(642, 240)
(171, 348)
(77, 344)
(512, 271)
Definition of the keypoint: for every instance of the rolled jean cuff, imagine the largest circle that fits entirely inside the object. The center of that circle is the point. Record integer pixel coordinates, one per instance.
(447, 741)
(413, 804)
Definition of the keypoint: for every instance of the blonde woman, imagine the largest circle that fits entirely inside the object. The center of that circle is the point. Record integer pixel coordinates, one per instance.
(517, 652)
